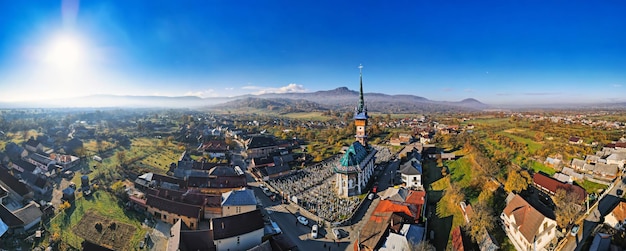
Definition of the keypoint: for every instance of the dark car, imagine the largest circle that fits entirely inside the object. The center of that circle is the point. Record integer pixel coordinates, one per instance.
(619, 192)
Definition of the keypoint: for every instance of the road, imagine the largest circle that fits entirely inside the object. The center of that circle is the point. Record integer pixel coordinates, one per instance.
(595, 217)
(285, 214)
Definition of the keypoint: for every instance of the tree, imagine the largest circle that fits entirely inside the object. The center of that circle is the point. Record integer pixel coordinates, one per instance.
(517, 181)
(481, 221)
(121, 157)
(453, 196)
(566, 206)
(422, 246)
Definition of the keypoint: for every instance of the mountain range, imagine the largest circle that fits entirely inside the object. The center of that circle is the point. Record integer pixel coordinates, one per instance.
(339, 99)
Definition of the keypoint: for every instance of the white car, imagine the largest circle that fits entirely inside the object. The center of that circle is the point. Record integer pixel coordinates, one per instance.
(303, 220)
(314, 232)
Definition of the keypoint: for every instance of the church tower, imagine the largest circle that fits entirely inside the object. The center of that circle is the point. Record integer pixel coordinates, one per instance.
(360, 114)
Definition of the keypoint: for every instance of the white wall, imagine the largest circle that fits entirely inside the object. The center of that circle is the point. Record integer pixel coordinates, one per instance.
(246, 241)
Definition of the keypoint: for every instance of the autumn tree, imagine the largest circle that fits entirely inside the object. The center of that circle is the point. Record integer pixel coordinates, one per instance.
(480, 222)
(453, 195)
(517, 181)
(566, 206)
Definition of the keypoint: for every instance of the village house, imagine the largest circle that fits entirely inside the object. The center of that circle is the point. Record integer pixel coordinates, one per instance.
(230, 234)
(238, 202)
(260, 145)
(171, 211)
(575, 140)
(33, 146)
(22, 166)
(526, 227)
(617, 217)
(17, 190)
(186, 240)
(402, 139)
(550, 186)
(215, 148)
(22, 219)
(411, 172)
(388, 217)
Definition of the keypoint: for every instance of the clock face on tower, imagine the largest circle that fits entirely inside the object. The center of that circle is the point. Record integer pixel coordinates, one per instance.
(359, 128)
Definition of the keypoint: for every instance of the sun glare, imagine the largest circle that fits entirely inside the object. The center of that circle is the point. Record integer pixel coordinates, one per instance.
(65, 52)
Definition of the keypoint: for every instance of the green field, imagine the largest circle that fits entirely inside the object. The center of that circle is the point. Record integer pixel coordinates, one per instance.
(315, 116)
(538, 166)
(460, 171)
(102, 204)
(591, 187)
(531, 144)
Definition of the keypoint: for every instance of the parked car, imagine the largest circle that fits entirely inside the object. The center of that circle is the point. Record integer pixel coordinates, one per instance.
(303, 220)
(314, 231)
(619, 192)
(336, 233)
(575, 229)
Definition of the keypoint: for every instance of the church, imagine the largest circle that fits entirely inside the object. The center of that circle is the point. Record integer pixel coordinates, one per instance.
(357, 165)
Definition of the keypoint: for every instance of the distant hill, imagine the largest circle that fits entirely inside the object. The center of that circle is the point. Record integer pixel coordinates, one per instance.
(345, 99)
(280, 105)
(339, 99)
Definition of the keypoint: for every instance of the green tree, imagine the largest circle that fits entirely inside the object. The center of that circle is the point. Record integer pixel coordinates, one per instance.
(121, 157)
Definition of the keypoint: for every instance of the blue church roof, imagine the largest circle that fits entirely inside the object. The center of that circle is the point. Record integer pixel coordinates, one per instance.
(354, 155)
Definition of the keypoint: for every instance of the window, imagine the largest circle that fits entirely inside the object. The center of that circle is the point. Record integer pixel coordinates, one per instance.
(238, 241)
(165, 217)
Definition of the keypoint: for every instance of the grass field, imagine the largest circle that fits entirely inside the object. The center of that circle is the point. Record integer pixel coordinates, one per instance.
(531, 144)
(460, 171)
(591, 187)
(103, 205)
(538, 166)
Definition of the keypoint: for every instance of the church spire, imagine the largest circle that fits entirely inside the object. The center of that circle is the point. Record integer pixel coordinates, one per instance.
(361, 100)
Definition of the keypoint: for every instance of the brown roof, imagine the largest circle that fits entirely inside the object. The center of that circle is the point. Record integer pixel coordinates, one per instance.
(373, 231)
(552, 185)
(620, 211)
(238, 224)
(527, 218)
(175, 207)
(215, 145)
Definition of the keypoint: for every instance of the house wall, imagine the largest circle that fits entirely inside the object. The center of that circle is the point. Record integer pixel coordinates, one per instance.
(234, 210)
(612, 221)
(260, 152)
(32, 224)
(543, 237)
(412, 180)
(241, 242)
(192, 223)
(212, 212)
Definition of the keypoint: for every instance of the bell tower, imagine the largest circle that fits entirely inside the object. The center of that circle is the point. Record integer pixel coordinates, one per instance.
(360, 114)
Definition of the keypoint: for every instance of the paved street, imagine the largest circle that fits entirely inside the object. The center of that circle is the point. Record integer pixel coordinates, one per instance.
(595, 217)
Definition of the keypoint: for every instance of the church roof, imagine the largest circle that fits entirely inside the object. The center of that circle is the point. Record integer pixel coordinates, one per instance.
(354, 155)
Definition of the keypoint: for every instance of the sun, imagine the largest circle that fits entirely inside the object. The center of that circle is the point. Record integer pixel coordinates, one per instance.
(65, 52)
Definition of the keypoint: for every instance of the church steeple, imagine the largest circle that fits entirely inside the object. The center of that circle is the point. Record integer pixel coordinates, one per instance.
(360, 114)
(361, 100)
(361, 109)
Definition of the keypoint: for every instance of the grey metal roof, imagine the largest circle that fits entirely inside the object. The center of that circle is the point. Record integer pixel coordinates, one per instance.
(238, 198)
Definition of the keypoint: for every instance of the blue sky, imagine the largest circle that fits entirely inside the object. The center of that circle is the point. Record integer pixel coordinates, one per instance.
(499, 52)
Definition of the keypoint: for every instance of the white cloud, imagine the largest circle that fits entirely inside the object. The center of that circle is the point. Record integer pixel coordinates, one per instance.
(290, 88)
(229, 88)
(202, 94)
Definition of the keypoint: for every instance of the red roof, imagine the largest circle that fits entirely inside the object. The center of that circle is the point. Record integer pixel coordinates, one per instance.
(457, 239)
(386, 206)
(552, 185)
